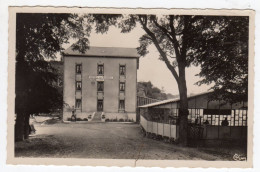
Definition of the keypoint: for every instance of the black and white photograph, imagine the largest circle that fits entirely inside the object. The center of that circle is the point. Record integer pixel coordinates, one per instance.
(135, 85)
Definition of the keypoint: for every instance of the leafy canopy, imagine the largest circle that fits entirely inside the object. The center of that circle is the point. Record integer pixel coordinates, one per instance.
(38, 38)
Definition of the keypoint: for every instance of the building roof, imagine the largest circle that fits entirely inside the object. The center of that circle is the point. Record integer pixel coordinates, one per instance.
(104, 52)
(172, 100)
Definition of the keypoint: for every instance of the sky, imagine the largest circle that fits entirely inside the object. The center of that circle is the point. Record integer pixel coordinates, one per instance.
(150, 67)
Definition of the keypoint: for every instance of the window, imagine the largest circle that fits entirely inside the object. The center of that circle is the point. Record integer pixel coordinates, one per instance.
(239, 117)
(100, 86)
(100, 105)
(100, 69)
(78, 85)
(78, 103)
(121, 104)
(78, 68)
(122, 70)
(122, 86)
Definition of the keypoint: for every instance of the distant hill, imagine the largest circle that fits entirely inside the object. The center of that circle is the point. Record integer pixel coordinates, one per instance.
(146, 89)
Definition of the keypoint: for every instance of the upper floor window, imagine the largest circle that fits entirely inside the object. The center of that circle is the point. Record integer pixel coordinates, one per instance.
(100, 86)
(100, 69)
(78, 85)
(78, 68)
(122, 86)
(122, 70)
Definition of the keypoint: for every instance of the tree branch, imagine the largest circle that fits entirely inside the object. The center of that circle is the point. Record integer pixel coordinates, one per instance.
(156, 43)
(163, 29)
(175, 41)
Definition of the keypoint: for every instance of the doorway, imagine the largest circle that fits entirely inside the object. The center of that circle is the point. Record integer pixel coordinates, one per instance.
(100, 105)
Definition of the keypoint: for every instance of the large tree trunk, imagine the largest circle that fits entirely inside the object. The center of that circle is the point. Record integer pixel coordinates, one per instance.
(183, 109)
(26, 126)
(19, 127)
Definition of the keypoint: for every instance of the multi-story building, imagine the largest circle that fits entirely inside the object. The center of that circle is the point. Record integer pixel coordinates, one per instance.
(101, 80)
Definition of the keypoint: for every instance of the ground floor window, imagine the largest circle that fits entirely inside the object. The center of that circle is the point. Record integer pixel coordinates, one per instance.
(195, 116)
(232, 117)
(121, 104)
(239, 117)
(78, 103)
(100, 105)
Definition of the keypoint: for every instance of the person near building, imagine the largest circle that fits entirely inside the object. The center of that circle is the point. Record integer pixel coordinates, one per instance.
(31, 126)
(224, 122)
(73, 116)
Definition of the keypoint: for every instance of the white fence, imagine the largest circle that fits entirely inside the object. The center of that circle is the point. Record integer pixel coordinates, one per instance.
(157, 128)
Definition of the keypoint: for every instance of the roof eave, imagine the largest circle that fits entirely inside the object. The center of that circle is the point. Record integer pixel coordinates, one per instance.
(86, 55)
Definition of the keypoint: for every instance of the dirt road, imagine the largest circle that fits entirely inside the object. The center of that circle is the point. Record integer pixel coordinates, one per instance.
(104, 140)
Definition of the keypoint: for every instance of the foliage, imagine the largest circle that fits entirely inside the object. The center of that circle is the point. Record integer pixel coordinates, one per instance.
(218, 44)
(121, 120)
(38, 38)
(224, 60)
(151, 91)
(79, 119)
(107, 120)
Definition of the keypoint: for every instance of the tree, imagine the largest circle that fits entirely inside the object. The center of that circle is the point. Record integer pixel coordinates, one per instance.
(171, 36)
(40, 37)
(181, 40)
(227, 64)
(153, 92)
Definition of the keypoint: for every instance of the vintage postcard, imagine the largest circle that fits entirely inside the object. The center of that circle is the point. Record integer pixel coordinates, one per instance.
(130, 87)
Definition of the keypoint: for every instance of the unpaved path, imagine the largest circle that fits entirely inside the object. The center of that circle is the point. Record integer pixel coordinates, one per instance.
(104, 140)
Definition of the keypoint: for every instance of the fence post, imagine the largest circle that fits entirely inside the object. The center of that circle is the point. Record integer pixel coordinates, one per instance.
(170, 130)
(157, 129)
(163, 128)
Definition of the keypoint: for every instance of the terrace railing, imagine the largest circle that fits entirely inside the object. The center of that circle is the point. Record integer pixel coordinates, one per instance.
(158, 128)
(206, 132)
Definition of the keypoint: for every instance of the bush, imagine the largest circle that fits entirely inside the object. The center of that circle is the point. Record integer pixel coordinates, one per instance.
(79, 119)
(128, 120)
(85, 119)
(114, 120)
(107, 120)
(103, 117)
(121, 120)
(69, 119)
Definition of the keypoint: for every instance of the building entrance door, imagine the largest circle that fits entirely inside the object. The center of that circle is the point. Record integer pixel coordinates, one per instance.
(100, 105)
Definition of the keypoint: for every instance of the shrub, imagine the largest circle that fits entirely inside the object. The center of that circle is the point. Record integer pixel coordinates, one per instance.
(69, 119)
(103, 117)
(107, 120)
(85, 119)
(115, 120)
(121, 120)
(79, 119)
